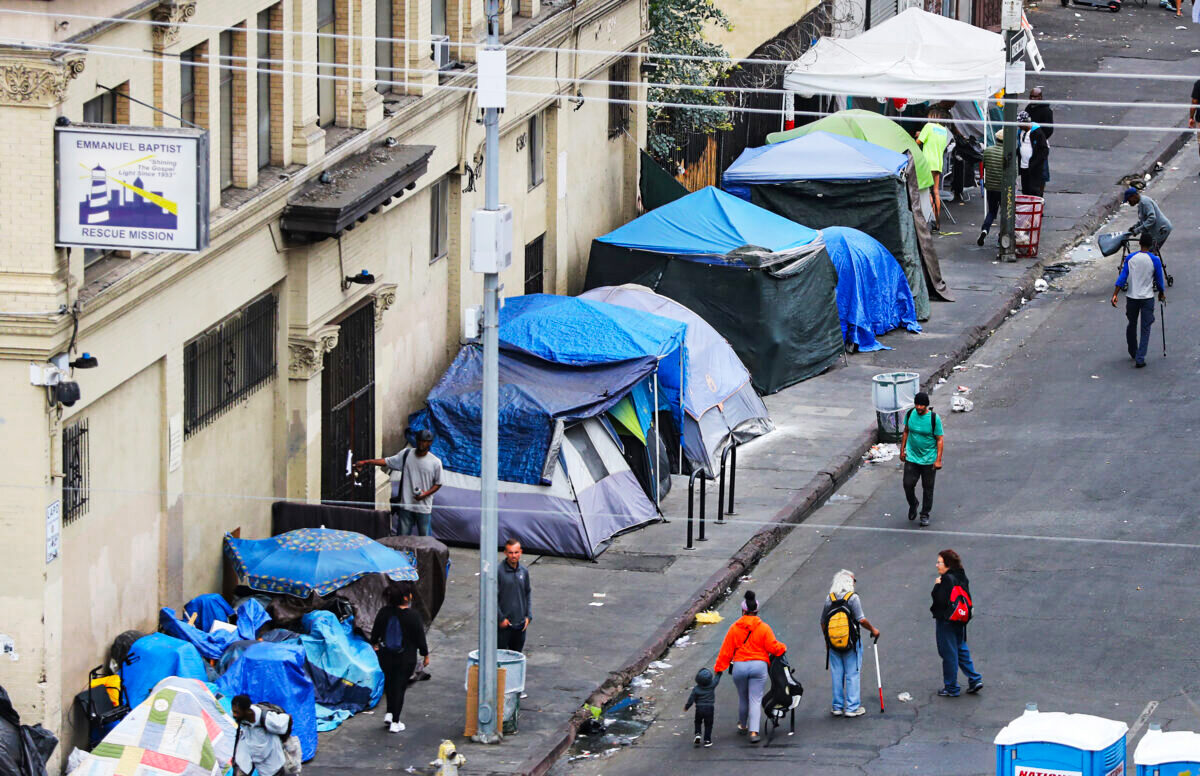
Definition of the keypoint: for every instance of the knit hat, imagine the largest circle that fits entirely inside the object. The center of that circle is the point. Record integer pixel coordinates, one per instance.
(1024, 118)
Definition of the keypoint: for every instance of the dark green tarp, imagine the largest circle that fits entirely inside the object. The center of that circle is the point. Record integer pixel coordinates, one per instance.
(657, 186)
(878, 207)
(781, 321)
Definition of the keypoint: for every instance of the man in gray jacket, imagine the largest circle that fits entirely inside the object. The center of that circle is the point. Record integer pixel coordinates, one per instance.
(1151, 221)
(515, 599)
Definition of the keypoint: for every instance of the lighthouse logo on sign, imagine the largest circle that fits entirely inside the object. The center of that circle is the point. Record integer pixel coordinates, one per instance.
(115, 202)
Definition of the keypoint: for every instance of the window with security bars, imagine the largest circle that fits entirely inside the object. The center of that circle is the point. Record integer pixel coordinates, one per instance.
(618, 111)
(229, 362)
(534, 266)
(75, 471)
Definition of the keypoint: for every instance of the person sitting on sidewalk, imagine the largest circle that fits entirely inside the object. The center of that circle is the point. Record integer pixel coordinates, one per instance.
(840, 622)
(1141, 275)
(921, 453)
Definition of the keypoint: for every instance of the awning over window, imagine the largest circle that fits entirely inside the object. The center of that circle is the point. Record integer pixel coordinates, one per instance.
(345, 194)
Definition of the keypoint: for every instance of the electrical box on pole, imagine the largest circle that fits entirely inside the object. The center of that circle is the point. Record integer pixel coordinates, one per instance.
(491, 239)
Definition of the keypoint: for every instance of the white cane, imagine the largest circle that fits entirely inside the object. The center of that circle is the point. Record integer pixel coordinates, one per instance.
(878, 680)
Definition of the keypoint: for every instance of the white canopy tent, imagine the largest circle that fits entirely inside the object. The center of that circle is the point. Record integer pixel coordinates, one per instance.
(915, 55)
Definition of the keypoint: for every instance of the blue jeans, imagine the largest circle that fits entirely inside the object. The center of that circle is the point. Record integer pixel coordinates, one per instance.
(407, 523)
(750, 678)
(1134, 309)
(846, 669)
(955, 654)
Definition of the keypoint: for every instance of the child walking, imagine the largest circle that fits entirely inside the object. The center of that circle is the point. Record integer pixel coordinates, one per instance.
(704, 697)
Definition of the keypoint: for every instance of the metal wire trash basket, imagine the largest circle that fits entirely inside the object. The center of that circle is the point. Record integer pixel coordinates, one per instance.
(892, 394)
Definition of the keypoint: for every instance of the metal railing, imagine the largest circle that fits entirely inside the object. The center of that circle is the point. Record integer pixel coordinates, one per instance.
(721, 508)
(692, 504)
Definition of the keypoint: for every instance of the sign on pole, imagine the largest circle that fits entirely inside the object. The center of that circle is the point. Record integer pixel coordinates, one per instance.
(53, 530)
(131, 188)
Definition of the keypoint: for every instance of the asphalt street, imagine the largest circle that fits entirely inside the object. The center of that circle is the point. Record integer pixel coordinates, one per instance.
(1069, 491)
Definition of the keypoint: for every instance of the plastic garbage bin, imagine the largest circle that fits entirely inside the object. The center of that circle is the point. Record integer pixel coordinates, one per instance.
(1028, 227)
(1058, 744)
(1168, 754)
(513, 664)
(892, 394)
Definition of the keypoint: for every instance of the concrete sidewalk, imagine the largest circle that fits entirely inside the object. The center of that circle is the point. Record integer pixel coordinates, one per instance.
(648, 585)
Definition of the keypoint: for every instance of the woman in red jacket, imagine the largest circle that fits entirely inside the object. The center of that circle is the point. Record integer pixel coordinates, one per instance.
(749, 644)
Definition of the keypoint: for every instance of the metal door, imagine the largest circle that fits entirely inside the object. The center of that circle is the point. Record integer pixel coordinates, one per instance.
(348, 408)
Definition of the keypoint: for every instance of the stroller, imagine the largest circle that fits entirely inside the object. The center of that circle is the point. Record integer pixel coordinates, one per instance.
(782, 697)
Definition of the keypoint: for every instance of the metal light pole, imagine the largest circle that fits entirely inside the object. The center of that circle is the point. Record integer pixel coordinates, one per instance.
(490, 247)
(1013, 50)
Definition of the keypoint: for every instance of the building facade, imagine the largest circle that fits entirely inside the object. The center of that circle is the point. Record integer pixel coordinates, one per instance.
(253, 370)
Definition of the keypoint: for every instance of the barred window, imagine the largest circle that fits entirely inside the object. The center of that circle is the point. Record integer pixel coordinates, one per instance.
(618, 111)
(535, 266)
(229, 362)
(75, 471)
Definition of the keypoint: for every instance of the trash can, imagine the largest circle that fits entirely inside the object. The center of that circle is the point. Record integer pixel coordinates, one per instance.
(513, 664)
(1027, 230)
(1167, 754)
(1036, 743)
(892, 393)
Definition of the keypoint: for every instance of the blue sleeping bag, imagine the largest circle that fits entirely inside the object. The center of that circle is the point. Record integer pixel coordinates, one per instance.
(155, 657)
(344, 668)
(276, 673)
(873, 296)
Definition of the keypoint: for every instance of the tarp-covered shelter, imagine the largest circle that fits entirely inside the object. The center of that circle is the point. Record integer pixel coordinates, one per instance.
(179, 729)
(872, 293)
(344, 668)
(868, 126)
(277, 673)
(155, 656)
(915, 55)
(821, 180)
(719, 403)
(762, 281)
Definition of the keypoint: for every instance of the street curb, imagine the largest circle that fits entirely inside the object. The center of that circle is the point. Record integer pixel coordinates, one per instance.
(806, 500)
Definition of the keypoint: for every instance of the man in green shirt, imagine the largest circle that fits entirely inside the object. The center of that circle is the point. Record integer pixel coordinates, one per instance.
(921, 452)
(933, 141)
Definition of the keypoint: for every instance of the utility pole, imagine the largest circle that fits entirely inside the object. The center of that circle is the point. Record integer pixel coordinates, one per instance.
(1014, 85)
(491, 253)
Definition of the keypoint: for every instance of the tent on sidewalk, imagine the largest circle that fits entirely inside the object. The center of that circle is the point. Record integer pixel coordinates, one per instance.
(344, 668)
(763, 282)
(179, 729)
(565, 488)
(873, 294)
(277, 673)
(720, 404)
(153, 657)
(882, 131)
(821, 179)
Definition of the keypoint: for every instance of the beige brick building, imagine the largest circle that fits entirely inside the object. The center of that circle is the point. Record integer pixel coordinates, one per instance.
(249, 371)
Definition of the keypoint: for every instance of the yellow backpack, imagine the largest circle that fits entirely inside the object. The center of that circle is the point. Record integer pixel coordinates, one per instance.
(841, 632)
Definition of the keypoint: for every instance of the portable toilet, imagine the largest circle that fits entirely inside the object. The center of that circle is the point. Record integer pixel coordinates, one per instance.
(1058, 744)
(1168, 754)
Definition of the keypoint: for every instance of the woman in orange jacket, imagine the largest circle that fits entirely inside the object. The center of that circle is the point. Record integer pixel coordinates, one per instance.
(749, 644)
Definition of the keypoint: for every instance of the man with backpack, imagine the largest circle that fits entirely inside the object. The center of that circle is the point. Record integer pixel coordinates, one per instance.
(398, 635)
(951, 609)
(264, 740)
(840, 625)
(921, 452)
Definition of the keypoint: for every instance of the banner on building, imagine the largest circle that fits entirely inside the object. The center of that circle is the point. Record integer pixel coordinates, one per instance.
(123, 188)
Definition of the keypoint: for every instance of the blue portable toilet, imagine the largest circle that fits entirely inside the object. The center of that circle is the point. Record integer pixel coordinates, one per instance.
(1168, 754)
(1058, 744)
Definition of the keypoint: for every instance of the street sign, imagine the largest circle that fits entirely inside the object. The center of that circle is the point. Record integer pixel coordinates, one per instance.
(1010, 15)
(53, 530)
(1014, 78)
(1015, 46)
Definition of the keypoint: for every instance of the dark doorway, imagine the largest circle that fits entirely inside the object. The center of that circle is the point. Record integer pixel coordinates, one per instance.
(348, 408)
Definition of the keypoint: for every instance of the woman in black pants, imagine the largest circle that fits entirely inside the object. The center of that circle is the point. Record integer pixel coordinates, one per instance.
(398, 635)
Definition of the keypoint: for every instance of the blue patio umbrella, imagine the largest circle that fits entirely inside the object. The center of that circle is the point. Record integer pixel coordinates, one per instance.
(314, 560)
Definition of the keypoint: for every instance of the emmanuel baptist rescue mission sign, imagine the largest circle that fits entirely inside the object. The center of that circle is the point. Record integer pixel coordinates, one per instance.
(125, 188)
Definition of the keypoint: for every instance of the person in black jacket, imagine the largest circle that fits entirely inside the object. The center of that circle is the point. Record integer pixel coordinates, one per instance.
(1034, 154)
(952, 636)
(398, 635)
(704, 696)
(515, 599)
(1040, 111)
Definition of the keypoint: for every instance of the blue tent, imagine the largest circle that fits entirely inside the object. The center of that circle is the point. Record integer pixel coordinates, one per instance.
(873, 296)
(154, 657)
(343, 667)
(709, 222)
(820, 156)
(276, 673)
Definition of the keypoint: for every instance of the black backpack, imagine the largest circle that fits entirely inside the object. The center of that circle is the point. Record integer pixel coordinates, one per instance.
(393, 634)
(782, 696)
(932, 418)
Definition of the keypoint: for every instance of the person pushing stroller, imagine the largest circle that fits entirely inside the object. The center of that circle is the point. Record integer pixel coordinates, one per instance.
(1151, 221)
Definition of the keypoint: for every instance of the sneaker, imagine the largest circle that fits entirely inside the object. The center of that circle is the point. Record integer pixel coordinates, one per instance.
(754, 737)
(524, 695)
(982, 237)
(397, 727)
(836, 712)
(387, 718)
(924, 520)
(947, 694)
(912, 512)
(707, 744)
(741, 731)
(1140, 365)
(975, 687)
(696, 741)
(857, 712)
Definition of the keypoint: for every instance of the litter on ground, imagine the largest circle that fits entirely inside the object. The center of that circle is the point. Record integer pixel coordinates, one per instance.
(659, 665)
(1040, 285)
(904, 697)
(708, 618)
(596, 603)
(962, 389)
(682, 641)
(961, 404)
(881, 452)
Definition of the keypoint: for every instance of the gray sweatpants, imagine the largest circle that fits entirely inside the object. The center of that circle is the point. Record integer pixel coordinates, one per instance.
(750, 678)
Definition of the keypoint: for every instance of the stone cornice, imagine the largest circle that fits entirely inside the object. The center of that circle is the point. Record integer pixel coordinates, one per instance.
(306, 353)
(36, 81)
(170, 14)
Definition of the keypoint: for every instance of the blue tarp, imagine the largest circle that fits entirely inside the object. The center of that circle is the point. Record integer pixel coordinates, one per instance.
(208, 608)
(816, 157)
(251, 617)
(873, 296)
(276, 673)
(210, 645)
(310, 560)
(343, 667)
(709, 222)
(153, 658)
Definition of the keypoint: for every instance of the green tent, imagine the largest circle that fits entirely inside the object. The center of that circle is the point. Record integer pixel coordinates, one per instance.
(868, 126)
